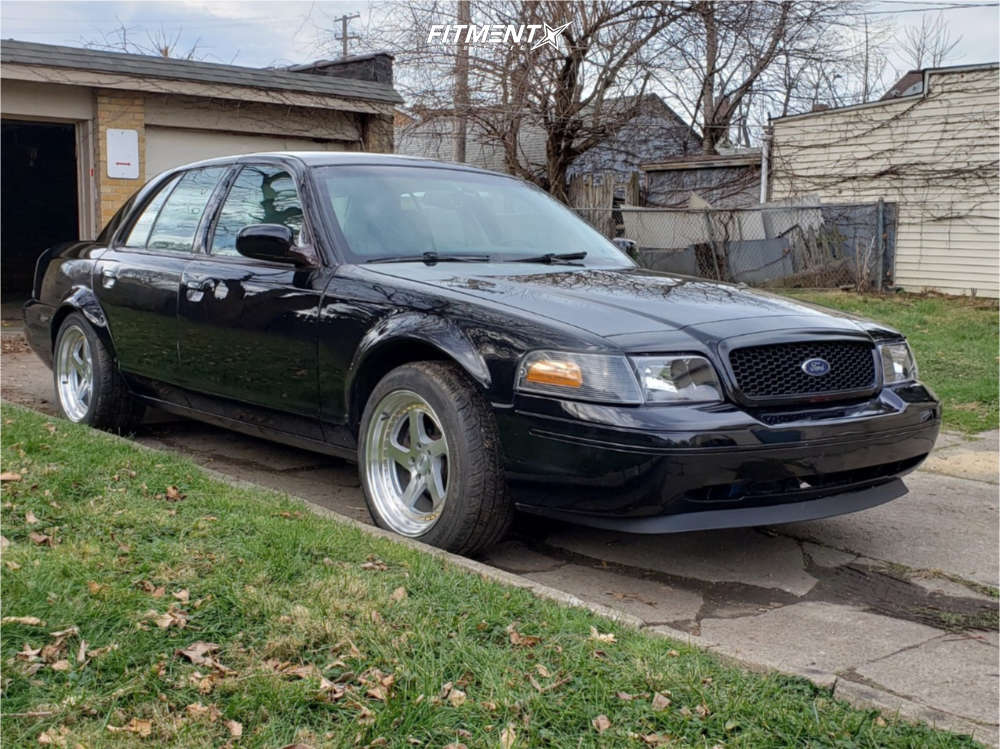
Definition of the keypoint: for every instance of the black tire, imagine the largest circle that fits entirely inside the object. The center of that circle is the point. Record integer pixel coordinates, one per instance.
(111, 406)
(477, 512)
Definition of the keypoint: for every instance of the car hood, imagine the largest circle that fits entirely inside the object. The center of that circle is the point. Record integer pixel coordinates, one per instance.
(624, 302)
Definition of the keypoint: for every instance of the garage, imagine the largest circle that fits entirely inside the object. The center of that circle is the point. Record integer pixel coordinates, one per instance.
(83, 129)
(167, 147)
(39, 196)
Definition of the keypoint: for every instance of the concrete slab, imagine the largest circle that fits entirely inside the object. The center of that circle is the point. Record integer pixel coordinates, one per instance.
(947, 587)
(928, 674)
(740, 555)
(514, 556)
(868, 696)
(814, 635)
(977, 458)
(649, 600)
(944, 523)
(825, 556)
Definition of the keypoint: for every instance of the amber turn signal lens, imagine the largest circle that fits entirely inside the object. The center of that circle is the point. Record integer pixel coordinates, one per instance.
(548, 372)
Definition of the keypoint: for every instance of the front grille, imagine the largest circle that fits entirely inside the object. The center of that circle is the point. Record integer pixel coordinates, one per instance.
(775, 370)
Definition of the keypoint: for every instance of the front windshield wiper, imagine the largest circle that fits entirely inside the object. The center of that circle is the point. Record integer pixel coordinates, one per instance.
(549, 258)
(430, 258)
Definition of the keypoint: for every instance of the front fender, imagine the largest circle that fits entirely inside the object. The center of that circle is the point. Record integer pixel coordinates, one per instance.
(409, 331)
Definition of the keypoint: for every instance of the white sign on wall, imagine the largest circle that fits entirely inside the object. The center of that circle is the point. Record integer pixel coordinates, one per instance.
(123, 154)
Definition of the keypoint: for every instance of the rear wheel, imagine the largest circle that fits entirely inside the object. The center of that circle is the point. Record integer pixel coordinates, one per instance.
(430, 459)
(88, 387)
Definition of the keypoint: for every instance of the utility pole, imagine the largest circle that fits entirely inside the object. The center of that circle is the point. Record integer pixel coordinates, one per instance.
(344, 36)
(462, 84)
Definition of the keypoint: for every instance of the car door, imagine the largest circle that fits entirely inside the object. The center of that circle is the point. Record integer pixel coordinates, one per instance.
(247, 328)
(137, 279)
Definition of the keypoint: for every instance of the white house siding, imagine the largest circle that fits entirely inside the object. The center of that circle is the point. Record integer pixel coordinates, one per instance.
(935, 155)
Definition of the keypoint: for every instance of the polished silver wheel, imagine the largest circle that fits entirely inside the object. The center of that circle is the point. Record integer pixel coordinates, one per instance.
(406, 463)
(74, 373)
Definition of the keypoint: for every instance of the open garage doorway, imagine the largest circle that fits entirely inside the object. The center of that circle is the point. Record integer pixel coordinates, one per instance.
(38, 200)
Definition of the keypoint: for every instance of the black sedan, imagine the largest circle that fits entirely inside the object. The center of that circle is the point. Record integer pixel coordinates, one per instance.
(476, 348)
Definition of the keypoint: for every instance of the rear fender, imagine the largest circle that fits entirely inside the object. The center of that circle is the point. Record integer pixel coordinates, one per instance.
(84, 301)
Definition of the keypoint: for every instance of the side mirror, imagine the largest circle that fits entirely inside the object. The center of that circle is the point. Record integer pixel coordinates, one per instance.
(272, 243)
(628, 246)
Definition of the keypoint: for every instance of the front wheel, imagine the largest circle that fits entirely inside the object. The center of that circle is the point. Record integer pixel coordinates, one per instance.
(430, 460)
(88, 387)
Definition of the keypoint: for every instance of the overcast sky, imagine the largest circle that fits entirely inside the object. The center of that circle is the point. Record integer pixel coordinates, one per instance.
(278, 33)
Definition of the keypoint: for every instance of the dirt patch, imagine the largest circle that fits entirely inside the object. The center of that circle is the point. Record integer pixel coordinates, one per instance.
(14, 344)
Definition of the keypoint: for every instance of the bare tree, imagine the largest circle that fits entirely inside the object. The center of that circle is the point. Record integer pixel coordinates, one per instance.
(735, 59)
(159, 43)
(929, 44)
(577, 91)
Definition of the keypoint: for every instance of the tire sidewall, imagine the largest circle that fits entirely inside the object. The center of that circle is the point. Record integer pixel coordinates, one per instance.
(428, 387)
(75, 320)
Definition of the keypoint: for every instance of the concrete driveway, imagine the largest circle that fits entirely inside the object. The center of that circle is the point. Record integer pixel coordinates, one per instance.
(894, 607)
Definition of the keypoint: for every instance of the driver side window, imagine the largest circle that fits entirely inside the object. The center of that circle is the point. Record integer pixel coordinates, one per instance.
(259, 195)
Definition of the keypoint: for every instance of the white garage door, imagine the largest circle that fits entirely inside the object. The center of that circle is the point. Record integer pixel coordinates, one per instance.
(167, 147)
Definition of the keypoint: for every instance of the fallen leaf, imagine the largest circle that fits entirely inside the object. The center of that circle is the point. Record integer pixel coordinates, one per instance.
(507, 737)
(81, 653)
(685, 711)
(172, 617)
(456, 698)
(374, 563)
(879, 721)
(657, 739)
(60, 665)
(4, 542)
(10, 476)
(398, 594)
(595, 635)
(198, 710)
(12, 565)
(235, 728)
(524, 641)
(95, 587)
(366, 717)
(601, 723)
(182, 595)
(660, 702)
(174, 494)
(40, 538)
(702, 710)
(54, 736)
(28, 653)
(31, 621)
(29, 518)
(624, 696)
(542, 671)
(673, 653)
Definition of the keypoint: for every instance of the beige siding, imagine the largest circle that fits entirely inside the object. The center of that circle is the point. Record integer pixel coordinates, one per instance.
(936, 156)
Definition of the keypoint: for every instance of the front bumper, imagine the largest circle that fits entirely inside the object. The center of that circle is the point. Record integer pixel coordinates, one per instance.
(642, 468)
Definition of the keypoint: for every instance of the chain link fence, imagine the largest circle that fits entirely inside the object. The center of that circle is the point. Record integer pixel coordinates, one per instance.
(819, 246)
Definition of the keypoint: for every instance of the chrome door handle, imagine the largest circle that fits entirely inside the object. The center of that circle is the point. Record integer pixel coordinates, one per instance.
(202, 284)
(108, 277)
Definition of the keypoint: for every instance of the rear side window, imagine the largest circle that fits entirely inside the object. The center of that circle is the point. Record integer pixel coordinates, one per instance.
(176, 223)
(259, 195)
(140, 229)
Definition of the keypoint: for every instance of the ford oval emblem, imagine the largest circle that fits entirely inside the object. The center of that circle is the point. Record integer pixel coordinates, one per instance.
(816, 367)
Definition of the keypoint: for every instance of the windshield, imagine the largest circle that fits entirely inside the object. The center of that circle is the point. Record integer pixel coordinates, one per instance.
(403, 211)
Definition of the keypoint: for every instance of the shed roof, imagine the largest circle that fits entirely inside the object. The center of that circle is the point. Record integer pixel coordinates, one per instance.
(51, 55)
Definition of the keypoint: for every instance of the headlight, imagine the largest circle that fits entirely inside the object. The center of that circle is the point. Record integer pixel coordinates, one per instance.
(589, 377)
(669, 379)
(616, 379)
(898, 364)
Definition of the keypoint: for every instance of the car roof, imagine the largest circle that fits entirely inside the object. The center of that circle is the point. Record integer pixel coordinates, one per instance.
(338, 158)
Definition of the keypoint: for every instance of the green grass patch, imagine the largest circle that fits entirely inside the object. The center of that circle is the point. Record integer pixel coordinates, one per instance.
(322, 634)
(955, 340)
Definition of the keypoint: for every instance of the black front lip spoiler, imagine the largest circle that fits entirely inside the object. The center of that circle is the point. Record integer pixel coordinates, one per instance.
(742, 517)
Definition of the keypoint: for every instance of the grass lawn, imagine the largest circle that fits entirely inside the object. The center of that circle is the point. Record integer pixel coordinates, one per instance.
(955, 340)
(180, 611)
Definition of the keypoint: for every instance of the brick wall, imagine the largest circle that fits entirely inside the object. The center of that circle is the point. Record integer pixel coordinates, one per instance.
(125, 111)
